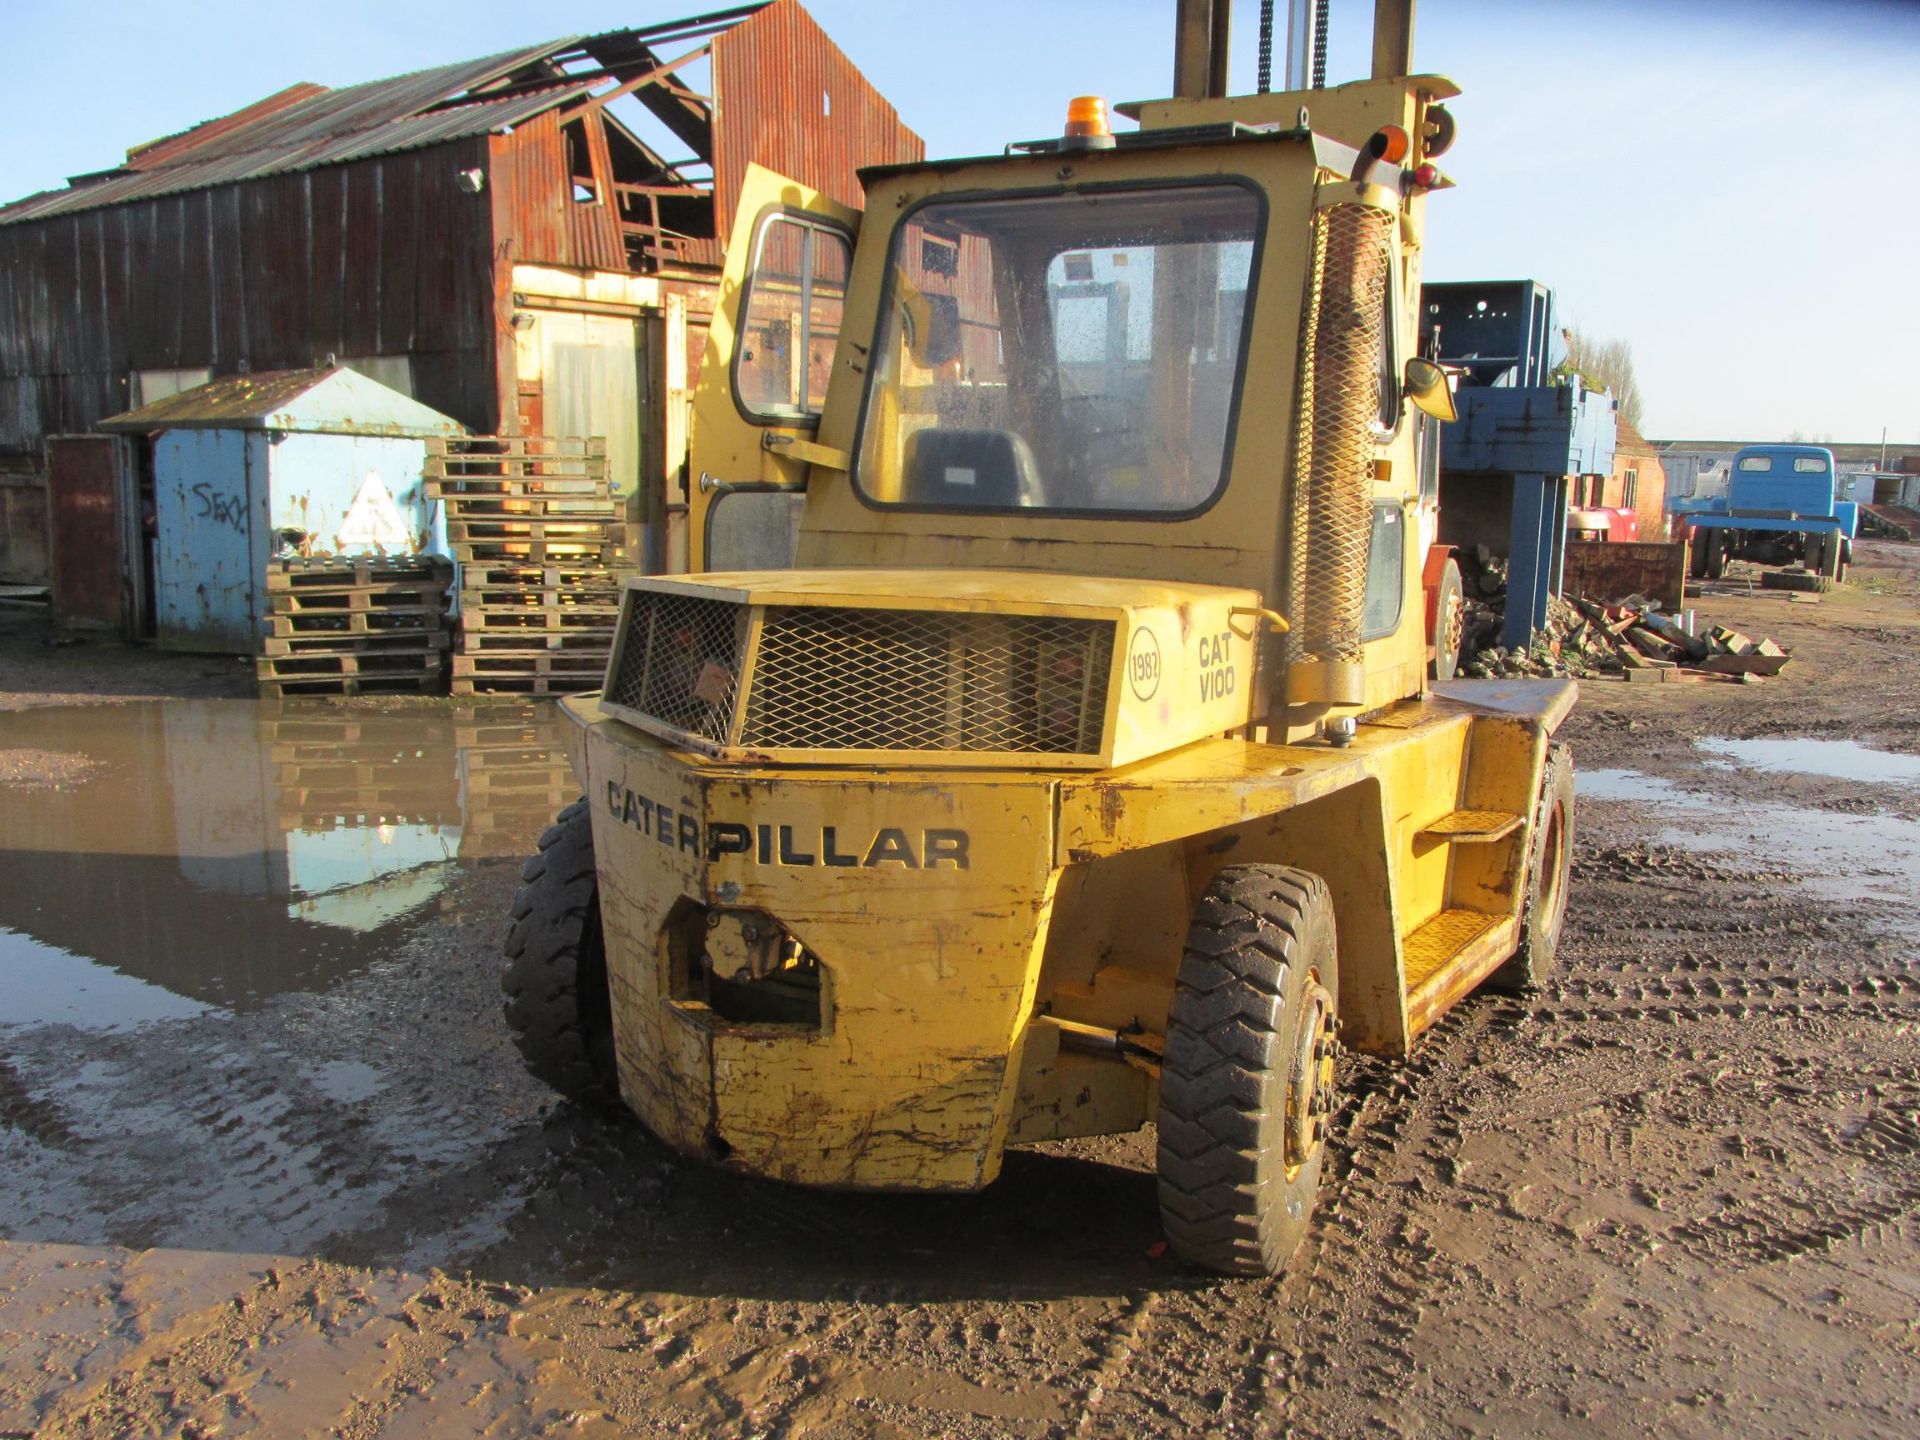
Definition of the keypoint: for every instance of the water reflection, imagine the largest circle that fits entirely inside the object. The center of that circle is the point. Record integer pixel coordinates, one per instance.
(227, 851)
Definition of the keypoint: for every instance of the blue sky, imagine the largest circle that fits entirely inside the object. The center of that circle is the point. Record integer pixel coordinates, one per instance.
(1726, 185)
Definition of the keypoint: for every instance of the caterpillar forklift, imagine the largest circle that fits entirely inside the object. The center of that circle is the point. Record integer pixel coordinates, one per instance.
(1043, 744)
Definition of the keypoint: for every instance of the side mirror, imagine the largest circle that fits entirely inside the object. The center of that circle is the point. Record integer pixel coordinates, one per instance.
(1428, 390)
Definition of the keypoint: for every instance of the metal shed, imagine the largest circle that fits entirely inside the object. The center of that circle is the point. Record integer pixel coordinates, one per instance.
(313, 462)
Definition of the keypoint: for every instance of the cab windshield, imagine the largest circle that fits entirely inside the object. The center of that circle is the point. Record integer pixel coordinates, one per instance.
(1061, 352)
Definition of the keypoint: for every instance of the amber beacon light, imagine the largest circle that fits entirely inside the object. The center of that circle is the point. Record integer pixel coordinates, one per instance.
(1087, 126)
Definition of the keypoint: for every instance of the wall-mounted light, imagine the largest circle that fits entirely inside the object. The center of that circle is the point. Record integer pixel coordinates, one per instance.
(471, 181)
(522, 321)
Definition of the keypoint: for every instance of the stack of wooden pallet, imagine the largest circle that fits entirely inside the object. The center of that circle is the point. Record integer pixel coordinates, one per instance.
(541, 541)
(355, 626)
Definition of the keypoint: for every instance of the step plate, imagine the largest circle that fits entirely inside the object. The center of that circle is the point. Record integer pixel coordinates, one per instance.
(1430, 947)
(1471, 827)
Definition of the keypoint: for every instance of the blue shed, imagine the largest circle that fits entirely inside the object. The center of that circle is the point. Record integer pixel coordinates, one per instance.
(288, 462)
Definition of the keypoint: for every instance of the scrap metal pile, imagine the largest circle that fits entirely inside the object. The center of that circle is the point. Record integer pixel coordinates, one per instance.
(1631, 638)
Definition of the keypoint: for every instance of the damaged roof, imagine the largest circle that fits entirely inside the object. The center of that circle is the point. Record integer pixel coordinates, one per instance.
(310, 125)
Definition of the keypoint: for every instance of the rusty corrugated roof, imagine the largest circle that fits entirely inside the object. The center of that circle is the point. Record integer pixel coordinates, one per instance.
(380, 117)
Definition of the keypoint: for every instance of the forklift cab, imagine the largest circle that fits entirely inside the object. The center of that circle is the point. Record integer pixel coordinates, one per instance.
(1088, 359)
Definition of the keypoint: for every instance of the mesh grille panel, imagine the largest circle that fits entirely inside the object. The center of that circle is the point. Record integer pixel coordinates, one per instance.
(1342, 335)
(831, 679)
(681, 662)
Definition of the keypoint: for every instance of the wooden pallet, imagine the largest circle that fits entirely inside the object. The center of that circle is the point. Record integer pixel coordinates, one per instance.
(559, 578)
(509, 447)
(582, 664)
(492, 609)
(347, 599)
(495, 529)
(576, 554)
(369, 646)
(588, 648)
(361, 621)
(321, 664)
(356, 572)
(561, 496)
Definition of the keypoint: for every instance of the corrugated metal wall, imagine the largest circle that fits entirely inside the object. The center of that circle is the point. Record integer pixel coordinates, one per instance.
(774, 78)
(379, 257)
(548, 227)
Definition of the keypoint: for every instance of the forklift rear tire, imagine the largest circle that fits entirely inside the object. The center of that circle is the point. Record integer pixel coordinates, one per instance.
(1246, 1083)
(558, 1008)
(1543, 913)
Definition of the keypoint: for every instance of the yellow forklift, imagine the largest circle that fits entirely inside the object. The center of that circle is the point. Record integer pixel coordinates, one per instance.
(1045, 744)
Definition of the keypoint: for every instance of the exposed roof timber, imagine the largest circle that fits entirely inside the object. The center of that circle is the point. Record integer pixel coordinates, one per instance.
(681, 29)
(645, 77)
(690, 121)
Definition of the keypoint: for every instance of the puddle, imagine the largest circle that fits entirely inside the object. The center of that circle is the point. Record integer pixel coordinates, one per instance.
(1619, 785)
(1834, 855)
(221, 852)
(1832, 759)
(46, 986)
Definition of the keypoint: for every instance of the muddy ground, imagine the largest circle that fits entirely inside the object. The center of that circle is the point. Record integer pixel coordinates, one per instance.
(268, 1166)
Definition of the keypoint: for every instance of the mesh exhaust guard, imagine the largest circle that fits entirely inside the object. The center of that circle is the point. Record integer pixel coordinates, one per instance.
(1333, 459)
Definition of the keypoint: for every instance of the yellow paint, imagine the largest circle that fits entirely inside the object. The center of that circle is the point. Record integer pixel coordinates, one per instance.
(960, 1008)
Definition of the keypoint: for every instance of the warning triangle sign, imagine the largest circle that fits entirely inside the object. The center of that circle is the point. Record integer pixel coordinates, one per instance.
(373, 519)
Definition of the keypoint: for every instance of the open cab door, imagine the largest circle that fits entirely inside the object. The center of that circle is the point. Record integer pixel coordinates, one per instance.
(763, 380)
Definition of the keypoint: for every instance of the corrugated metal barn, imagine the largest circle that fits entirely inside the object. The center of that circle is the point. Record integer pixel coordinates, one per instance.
(527, 241)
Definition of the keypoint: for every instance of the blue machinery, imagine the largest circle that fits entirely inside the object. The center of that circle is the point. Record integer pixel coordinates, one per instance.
(1505, 464)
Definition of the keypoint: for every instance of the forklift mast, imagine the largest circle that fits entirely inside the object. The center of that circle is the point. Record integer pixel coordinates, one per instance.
(1201, 44)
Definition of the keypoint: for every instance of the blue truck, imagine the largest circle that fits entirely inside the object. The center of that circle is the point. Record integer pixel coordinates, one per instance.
(1779, 508)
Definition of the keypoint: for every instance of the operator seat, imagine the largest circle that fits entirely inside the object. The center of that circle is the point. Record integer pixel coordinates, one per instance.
(969, 469)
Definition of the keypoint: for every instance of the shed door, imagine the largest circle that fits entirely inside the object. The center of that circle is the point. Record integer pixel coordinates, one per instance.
(95, 531)
(590, 386)
(210, 510)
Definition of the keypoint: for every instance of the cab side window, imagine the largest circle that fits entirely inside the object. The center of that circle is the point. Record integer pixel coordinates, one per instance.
(796, 296)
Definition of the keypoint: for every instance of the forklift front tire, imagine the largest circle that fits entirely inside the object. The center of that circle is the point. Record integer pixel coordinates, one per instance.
(558, 1008)
(1247, 1083)
(1449, 622)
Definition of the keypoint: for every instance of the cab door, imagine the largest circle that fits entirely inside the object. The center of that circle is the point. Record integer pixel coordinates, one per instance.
(763, 379)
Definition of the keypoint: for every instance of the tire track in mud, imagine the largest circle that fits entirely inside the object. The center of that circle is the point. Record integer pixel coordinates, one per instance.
(267, 1359)
(1198, 1358)
(1360, 1297)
